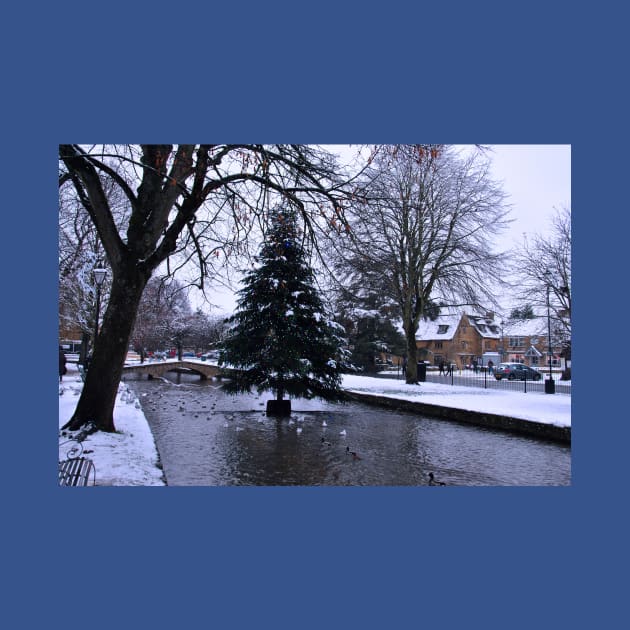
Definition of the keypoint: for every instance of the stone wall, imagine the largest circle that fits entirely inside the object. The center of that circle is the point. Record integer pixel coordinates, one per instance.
(477, 418)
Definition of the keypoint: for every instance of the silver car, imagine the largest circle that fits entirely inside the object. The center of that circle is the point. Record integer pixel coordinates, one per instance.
(519, 371)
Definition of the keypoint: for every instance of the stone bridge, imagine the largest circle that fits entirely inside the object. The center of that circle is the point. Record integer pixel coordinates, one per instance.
(156, 369)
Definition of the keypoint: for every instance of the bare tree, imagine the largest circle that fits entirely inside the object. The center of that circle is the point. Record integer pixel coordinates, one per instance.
(545, 261)
(164, 307)
(420, 234)
(80, 252)
(205, 330)
(184, 205)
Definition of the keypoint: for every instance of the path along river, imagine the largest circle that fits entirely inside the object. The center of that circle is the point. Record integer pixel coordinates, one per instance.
(208, 438)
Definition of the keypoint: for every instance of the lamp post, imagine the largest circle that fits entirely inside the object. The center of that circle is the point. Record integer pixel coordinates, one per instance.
(99, 278)
(550, 386)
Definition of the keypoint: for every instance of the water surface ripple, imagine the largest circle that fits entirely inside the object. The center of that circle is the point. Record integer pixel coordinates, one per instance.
(206, 437)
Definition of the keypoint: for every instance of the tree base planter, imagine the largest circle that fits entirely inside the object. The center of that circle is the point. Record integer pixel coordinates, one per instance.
(278, 407)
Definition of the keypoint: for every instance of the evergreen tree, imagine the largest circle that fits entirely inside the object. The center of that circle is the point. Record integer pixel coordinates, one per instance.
(526, 312)
(369, 335)
(281, 338)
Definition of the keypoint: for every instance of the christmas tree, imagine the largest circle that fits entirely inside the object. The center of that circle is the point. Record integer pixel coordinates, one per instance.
(281, 338)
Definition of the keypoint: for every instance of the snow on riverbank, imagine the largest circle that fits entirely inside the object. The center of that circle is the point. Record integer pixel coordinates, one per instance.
(129, 456)
(125, 458)
(546, 408)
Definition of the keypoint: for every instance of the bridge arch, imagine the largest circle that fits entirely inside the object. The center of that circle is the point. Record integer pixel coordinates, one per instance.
(158, 369)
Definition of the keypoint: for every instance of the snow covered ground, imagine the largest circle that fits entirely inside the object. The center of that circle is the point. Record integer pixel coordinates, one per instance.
(546, 408)
(129, 456)
(125, 458)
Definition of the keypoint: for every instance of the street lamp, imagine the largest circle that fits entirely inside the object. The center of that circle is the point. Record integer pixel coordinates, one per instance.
(550, 386)
(99, 278)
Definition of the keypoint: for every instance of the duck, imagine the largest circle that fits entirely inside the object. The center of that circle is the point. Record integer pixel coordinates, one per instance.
(434, 482)
(299, 430)
(324, 423)
(353, 453)
(342, 432)
(326, 443)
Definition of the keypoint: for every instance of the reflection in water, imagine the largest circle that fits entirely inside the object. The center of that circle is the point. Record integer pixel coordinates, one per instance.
(206, 437)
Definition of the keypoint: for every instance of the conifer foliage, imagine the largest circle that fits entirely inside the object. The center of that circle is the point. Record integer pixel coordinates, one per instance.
(281, 338)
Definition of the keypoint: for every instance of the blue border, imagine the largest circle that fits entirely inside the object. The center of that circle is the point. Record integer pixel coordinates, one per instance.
(308, 558)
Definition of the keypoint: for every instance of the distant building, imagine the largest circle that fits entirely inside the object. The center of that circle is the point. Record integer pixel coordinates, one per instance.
(70, 337)
(462, 337)
(526, 341)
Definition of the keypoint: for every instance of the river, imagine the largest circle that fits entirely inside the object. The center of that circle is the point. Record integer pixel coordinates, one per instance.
(208, 438)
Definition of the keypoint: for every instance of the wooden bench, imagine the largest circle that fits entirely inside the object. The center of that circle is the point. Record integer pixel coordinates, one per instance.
(76, 471)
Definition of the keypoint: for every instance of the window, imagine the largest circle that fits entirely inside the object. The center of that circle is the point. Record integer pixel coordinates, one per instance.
(442, 328)
(516, 342)
(437, 345)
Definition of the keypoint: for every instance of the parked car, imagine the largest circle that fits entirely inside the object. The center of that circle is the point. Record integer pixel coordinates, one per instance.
(512, 371)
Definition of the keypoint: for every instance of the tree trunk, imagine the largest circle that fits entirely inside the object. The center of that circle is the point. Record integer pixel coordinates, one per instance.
(410, 329)
(412, 360)
(98, 397)
(279, 407)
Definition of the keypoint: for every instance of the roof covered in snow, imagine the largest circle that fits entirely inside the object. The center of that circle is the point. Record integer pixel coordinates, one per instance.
(525, 327)
(444, 327)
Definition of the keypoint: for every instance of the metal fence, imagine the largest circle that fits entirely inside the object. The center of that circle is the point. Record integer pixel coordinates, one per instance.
(485, 380)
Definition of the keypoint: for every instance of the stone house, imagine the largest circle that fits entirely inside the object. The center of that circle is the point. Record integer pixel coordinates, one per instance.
(457, 338)
(70, 336)
(461, 338)
(526, 341)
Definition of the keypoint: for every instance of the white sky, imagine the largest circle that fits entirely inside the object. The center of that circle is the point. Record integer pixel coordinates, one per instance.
(536, 178)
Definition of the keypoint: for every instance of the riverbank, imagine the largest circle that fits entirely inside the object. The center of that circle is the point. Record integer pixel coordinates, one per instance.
(539, 430)
(125, 458)
(129, 456)
(536, 414)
